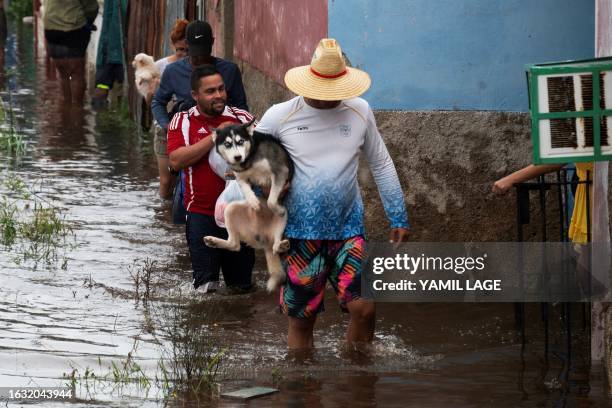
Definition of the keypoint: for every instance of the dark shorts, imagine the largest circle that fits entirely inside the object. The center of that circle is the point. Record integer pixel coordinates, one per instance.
(311, 263)
(108, 74)
(160, 141)
(67, 44)
(237, 267)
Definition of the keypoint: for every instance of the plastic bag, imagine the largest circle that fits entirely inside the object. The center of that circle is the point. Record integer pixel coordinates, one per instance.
(231, 193)
(217, 164)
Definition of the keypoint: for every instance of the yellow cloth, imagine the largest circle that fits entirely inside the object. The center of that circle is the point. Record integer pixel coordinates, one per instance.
(578, 224)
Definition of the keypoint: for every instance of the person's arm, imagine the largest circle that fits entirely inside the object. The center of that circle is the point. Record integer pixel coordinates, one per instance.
(162, 96)
(181, 155)
(188, 155)
(149, 97)
(387, 181)
(527, 173)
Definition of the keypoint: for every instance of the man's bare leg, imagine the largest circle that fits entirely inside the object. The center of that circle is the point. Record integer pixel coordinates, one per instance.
(300, 333)
(77, 80)
(166, 181)
(63, 69)
(363, 321)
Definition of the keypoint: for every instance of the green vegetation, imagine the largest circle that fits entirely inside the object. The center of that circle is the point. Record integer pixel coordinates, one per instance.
(114, 381)
(18, 9)
(117, 116)
(142, 271)
(189, 366)
(31, 228)
(8, 223)
(11, 140)
(191, 357)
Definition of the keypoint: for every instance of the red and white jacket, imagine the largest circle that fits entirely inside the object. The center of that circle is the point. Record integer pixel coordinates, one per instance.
(202, 185)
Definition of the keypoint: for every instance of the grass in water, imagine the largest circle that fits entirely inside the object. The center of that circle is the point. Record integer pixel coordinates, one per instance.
(31, 228)
(187, 370)
(11, 140)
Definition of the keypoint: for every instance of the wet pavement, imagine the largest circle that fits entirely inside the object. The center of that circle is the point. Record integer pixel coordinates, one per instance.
(83, 317)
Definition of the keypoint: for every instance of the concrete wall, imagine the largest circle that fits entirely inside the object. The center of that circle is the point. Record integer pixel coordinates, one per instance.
(458, 55)
(220, 15)
(447, 162)
(275, 35)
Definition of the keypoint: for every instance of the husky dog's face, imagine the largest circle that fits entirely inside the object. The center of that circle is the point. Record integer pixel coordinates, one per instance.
(233, 143)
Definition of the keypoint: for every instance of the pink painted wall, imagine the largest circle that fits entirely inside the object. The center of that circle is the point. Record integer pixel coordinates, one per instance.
(275, 35)
(214, 16)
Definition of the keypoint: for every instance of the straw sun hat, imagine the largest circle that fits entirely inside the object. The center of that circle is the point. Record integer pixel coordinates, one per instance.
(327, 78)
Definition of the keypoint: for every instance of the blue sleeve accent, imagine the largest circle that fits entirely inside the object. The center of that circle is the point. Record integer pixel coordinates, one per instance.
(162, 96)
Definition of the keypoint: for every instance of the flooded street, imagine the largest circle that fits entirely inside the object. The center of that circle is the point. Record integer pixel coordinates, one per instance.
(79, 314)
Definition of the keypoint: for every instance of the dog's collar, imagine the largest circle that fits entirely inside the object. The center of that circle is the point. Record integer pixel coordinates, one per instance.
(239, 168)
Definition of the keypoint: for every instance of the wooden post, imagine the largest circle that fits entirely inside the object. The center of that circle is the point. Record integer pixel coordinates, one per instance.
(601, 331)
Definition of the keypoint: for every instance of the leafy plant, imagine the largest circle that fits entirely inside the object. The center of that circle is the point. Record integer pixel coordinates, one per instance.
(11, 140)
(38, 231)
(8, 223)
(18, 9)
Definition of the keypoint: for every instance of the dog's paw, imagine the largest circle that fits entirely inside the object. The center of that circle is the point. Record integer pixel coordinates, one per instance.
(210, 241)
(277, 209)
(281, 246)
(254, 204)
(272, 284)
(275, 281)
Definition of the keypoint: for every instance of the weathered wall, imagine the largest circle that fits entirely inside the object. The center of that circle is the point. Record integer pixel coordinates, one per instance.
(145, 28)
(220, 15)
(275, 35)
(458, 55)
(175, 9)
(262, 92)
(447, 162)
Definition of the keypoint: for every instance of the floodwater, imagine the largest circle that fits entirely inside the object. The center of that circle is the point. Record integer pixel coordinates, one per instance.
(79, 314)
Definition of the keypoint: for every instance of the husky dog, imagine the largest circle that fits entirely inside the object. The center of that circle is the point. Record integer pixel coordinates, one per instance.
(146, 74)
(259, 159)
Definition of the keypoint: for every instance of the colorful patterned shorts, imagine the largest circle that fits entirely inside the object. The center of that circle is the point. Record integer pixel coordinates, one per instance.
(310, 263)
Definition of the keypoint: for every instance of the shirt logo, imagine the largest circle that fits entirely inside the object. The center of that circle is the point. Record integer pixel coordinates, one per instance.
(302, 128)
(345, 130)
(202, 130)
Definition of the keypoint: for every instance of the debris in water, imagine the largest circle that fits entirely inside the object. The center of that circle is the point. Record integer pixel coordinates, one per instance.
(248, 393)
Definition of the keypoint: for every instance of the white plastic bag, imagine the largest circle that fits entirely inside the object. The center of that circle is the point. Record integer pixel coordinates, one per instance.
(231, 193)
(217, 164)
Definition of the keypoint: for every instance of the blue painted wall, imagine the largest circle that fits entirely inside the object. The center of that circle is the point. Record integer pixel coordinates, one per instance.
(458, 54)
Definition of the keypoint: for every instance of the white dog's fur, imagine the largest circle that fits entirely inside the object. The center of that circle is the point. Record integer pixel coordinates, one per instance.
(146, 74)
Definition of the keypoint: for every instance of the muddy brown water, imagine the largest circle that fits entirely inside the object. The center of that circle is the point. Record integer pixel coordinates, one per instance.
(84, 317)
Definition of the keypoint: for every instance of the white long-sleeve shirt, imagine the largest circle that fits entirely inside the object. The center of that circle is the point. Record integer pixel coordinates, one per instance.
(324, 201)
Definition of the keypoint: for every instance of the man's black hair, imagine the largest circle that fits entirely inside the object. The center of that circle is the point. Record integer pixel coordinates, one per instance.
(201, 72)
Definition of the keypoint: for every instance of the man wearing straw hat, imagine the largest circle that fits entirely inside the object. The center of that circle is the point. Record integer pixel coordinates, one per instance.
(324, 129)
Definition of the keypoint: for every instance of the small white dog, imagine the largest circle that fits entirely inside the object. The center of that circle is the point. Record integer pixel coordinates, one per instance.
(146, 74)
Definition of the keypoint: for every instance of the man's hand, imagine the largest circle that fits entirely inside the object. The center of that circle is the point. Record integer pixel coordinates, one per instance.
(398, 235)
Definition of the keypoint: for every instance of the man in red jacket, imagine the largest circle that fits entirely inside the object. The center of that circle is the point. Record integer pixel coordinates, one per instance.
(189, 142)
